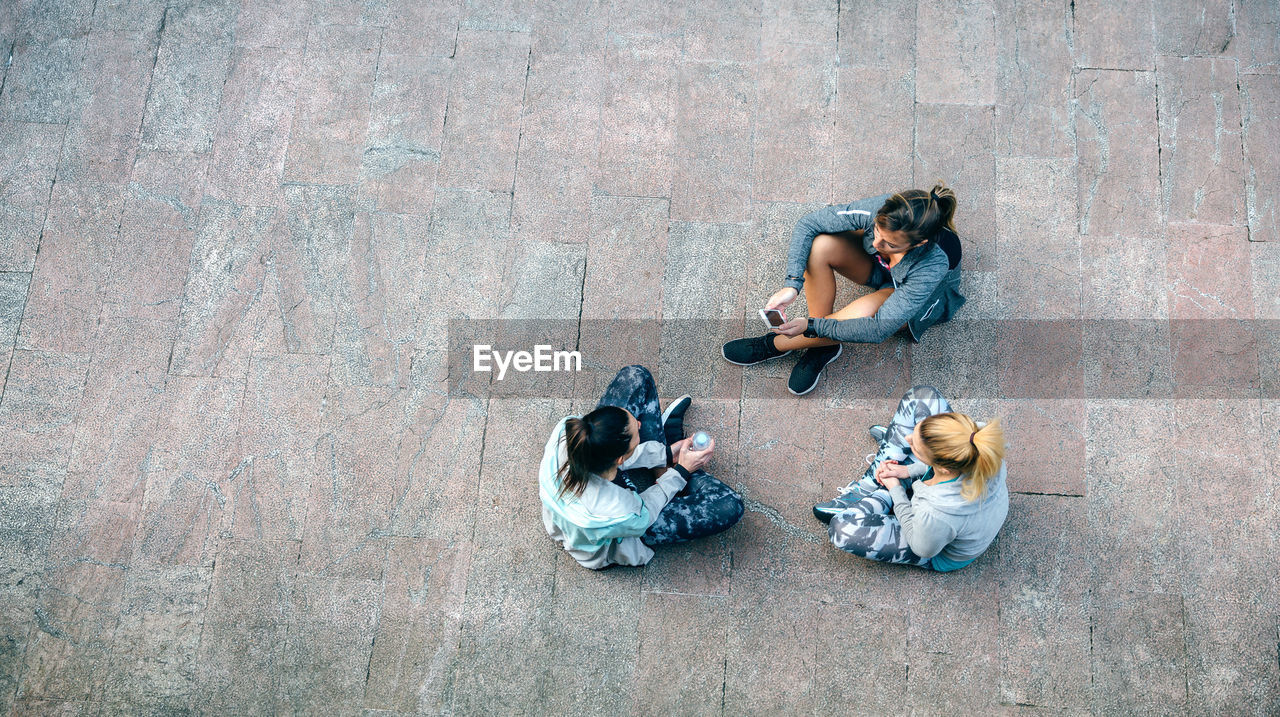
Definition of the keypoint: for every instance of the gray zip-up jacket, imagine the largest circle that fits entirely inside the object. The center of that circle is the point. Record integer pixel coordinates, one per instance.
(925, 289)
(936, 520)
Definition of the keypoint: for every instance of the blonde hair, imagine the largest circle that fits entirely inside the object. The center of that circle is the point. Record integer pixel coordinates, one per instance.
(957, 443)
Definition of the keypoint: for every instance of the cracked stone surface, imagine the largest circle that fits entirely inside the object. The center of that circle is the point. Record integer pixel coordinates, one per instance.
(235, 478)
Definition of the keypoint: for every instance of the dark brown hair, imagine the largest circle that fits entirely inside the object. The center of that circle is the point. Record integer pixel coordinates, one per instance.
(593, 443)
(919, 214)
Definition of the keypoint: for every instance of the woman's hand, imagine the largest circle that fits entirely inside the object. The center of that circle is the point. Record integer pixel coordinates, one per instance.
(889, 474)
(678, 448)
(782, 299)
(692, 460)
(794, 327)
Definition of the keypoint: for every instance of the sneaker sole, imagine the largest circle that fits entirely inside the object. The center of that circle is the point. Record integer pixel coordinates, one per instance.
(737, 363)
(671, 407)
(817, 380)
(823, 516)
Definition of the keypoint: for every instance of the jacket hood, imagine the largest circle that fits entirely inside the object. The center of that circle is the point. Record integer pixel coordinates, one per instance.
(946, 498)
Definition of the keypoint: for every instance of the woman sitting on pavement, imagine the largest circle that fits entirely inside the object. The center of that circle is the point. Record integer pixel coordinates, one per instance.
(934, 495)
(907, 252)
(594, 467)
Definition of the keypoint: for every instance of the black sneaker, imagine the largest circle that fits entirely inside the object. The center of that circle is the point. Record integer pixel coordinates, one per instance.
(673, 419)
(746, 352)
(830, 509)
(804, 377)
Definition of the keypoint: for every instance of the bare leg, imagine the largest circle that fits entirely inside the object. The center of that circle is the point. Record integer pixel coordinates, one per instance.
(860, 307)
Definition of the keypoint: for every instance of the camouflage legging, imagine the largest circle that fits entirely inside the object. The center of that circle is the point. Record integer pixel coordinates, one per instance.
(869, 528)
(706, 506)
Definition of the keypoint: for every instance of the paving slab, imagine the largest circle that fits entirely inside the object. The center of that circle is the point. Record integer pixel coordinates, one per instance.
(194, 54)
(29, 155)
(1234, 672)
(596, 622)
(1109, 37)
(157, 639)
(680, 664)
(40, 409)
(793, 149)
(712, 175)
(876, 39)
(1256, 43)
(1038, 252)
(871, 157)
(65, 297)
(502, 610)
(265, 24)
(1198, 421)
(309, 260)
(559, 145)
(42, 81)
(330, 636)
(1139, 653)
(402, 155)
(1181, 30)
(966, 164)
(1033, 78)
(280, 427)
(412, 663)
(1200, 258)
(120, 407)
(255, 120)
(1201, 157)
(1044, 605)
(102, 137)
(230, 265)
(241, 659)
(1117, 139)
(1132, 497)
(638, 116)
(331, 117)
(481, 130)
(785, 627)
(956, 55)
(158, 226)
(1260, 98)
(413, 28)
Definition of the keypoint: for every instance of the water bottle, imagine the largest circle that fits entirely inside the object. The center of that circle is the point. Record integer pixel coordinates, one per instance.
(700, 441)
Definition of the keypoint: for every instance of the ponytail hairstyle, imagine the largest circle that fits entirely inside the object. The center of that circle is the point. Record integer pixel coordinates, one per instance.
(919, 214)
(593, 442)
(958, 444)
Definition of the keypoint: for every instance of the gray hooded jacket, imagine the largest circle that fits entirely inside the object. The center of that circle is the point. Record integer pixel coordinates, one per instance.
(937, 520)
(926, 289)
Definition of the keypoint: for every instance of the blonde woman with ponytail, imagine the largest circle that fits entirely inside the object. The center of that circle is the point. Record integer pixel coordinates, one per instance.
(902, 246)
(934, 495)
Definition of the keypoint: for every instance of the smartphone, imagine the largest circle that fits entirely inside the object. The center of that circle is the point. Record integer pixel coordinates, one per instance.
(773, 318)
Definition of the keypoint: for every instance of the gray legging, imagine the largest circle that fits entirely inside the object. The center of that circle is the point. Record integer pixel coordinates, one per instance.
(706, 506)
(868, 528)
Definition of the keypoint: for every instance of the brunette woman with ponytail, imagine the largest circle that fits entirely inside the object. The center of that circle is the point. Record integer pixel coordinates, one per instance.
(594, 466)
(903, 246)
(934, 495)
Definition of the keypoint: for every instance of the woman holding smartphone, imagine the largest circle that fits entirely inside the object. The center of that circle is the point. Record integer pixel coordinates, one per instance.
(903, 246)
(594, 469)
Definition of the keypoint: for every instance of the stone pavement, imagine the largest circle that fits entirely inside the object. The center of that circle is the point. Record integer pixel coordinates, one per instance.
(233, 479)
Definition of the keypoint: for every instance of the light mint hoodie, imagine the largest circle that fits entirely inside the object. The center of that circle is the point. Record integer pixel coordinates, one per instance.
(602, 527)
